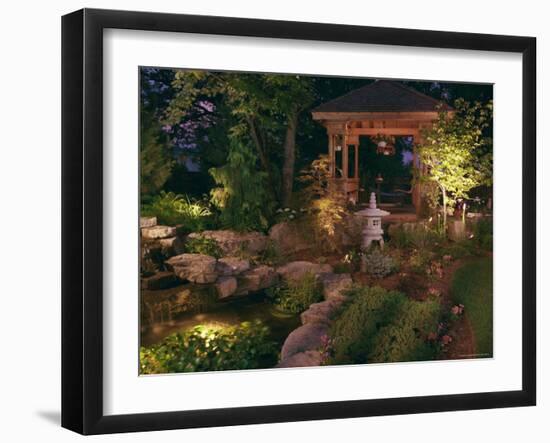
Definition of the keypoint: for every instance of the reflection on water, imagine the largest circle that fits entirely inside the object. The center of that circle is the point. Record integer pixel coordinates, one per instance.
(226, 314)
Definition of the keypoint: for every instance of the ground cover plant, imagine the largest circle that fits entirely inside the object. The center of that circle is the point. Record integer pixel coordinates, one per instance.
(296, 296)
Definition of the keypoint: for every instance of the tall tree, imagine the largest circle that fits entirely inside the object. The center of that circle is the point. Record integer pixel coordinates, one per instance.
(457, 151)
(263, 110)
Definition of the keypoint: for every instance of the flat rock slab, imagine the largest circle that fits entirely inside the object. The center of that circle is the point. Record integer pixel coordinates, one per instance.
(256, 279)
(196, 268)
(308, 337)
(155, 232)
(234, 243)
(232, 266)
(320, 312)
(160, 280)
(226, 286)
(301, 360)
(335, 285)
(297, 270)
(147, 222)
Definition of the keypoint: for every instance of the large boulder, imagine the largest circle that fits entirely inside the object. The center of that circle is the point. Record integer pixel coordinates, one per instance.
(296, 270)
(320, 312)
(155, 232)
(301, 360)
(234, 243)
(196, 268)
(256, 279)
(225, 286)
(232, 266)
(289, 238)
(334, 285)
(309, 337)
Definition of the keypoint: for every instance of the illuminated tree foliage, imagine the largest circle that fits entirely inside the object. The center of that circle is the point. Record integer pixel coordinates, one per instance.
(324, 202)
(457, 151)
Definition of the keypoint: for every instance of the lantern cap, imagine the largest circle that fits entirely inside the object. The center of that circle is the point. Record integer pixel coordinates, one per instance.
(372, 210)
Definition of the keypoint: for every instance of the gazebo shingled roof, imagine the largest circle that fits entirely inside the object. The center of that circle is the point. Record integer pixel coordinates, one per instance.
(382, 96)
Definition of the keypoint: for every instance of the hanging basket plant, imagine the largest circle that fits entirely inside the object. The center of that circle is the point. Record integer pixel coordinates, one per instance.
(385, 144)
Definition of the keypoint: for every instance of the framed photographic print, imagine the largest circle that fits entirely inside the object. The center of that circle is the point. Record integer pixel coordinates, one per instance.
(270, 221)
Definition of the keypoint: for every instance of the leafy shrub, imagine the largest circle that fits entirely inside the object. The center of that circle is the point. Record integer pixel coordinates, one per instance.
(203, 245)
(210, 348)
(383, 326)
(174, 209)
(405, 338)
(483, 233)
(415, 235)
(296, 296)
(354, 330)
(379, 264)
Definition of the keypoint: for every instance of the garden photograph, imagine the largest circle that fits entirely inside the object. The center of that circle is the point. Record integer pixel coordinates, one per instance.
(291, 220)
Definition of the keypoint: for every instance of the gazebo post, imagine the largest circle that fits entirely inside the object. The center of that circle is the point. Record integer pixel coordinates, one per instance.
(331, 156)
(345, 159)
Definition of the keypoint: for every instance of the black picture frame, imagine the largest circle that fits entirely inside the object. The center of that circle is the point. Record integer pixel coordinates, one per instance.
(82, 215)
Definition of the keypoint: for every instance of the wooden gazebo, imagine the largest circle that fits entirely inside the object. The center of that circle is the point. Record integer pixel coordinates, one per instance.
(382, 108)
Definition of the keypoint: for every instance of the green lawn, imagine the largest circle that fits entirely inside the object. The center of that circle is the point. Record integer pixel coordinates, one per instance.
(473, 287)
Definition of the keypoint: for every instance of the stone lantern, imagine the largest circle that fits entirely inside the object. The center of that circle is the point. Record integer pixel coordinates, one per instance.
(373, 229)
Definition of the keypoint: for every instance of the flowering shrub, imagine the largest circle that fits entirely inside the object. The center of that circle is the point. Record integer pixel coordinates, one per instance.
(326, 349)
(211, 348)
(457, 310)
(288, 214)
(435, 269)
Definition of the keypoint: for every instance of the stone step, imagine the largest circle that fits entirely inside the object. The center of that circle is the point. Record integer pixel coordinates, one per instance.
(147, 222)
(156, 232)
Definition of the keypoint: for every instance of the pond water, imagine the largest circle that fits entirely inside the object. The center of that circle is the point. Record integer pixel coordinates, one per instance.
(228, 313)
